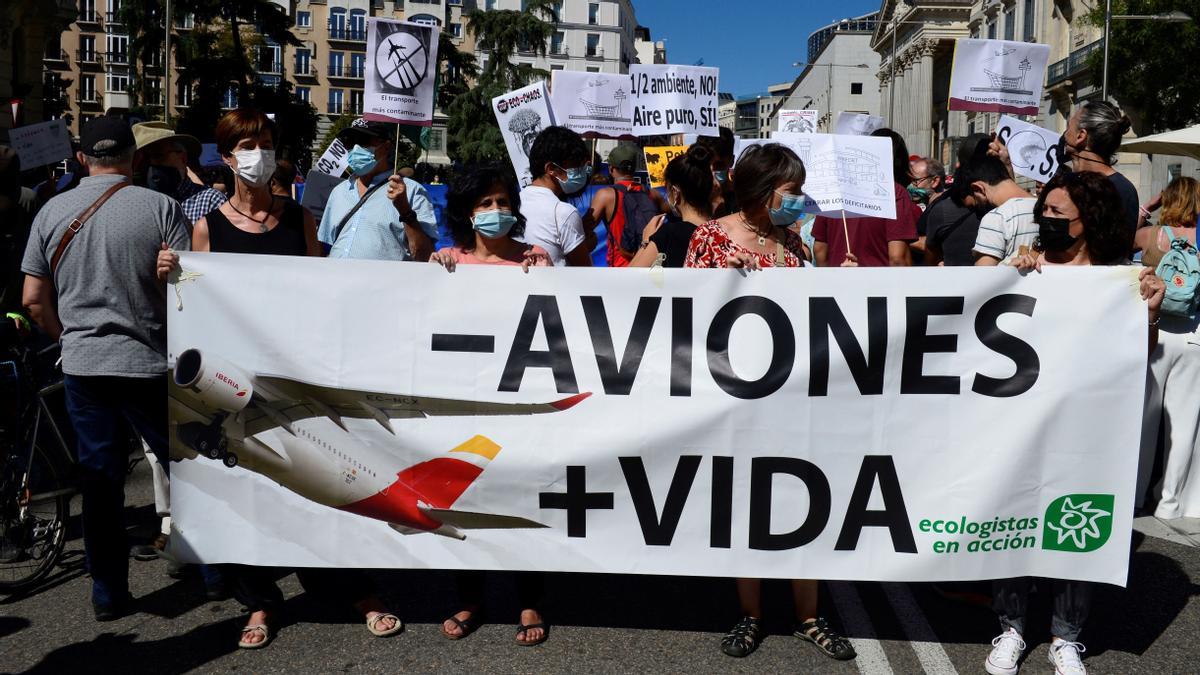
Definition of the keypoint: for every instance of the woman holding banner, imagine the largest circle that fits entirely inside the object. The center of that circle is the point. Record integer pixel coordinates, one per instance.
(1080, 222)
(767, 182)
(691, 189)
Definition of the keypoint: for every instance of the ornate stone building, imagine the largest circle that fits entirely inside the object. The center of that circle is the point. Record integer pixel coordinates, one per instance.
(26, 27)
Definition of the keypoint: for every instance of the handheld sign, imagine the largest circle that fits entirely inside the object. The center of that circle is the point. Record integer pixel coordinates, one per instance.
(40, 144)
(401, 70)
(657, 158)
(998, 76)
(797, 121)
(317, 187)
(1033, 150)
(522, 114)
(674, 100)
(857, 124)
(593, 104)
(846, 174)
(335, 159)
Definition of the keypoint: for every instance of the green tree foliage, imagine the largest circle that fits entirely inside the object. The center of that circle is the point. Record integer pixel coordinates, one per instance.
(1152, 65)
(473, 134)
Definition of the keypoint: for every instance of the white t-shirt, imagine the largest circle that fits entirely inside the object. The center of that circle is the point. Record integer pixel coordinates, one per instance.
(1006, 228)
(550, 223)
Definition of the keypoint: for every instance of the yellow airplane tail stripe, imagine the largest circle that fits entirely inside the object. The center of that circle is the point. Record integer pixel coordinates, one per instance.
(480, 445)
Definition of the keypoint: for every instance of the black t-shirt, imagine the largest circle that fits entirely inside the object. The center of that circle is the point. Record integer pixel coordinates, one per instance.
(952, 229)
(1129, 198)
(286, 238)
(672, 239)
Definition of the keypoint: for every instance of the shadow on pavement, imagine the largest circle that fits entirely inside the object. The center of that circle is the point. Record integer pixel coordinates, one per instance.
(120, 653)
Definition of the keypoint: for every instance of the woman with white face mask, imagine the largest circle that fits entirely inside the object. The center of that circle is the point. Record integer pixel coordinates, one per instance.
(254, 220)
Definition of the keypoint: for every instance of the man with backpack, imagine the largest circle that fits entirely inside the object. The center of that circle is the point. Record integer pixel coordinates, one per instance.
(626, 207)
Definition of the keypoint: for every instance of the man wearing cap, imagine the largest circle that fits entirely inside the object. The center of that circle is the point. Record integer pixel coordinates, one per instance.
(91, 282)
(626, 207)
(373, 216)
(165, 155)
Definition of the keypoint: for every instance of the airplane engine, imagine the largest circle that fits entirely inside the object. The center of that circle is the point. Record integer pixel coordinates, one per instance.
(216, 382)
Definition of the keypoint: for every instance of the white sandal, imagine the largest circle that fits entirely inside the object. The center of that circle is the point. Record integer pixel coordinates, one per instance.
(260, 628)
(373, 621)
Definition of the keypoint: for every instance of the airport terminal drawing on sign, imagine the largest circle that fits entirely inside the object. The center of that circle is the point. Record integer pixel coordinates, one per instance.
(219, 411)
(853, 170)
(1000, 77)
(595, 97)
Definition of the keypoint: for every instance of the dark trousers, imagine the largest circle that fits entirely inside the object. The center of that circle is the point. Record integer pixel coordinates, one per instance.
(100, 408)
(1072, 603)
(256, 589)
(530, 586)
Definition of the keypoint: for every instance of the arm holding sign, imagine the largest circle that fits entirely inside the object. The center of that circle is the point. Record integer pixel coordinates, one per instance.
(420, 223)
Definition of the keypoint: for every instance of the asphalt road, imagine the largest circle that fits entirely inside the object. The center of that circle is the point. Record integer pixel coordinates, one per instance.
(600, 623)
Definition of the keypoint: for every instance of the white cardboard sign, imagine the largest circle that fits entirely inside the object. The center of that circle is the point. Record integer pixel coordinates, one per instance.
(40, 144)
(334, 160)
(857, 124)
(522, 114)
(998, 76)
(1031, 148)
(797, 121)
(401, 69)
(595, 104)
(674, 100)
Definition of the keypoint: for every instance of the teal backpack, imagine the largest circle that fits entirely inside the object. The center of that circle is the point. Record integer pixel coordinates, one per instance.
(1180, 270)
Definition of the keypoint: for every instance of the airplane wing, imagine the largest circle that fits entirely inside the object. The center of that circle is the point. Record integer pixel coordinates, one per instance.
(469, 520)
(279, 401)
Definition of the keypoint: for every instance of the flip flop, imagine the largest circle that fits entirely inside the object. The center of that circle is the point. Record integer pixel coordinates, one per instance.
(467, 626)
(523, 628)
(374, 620)
(260, 628)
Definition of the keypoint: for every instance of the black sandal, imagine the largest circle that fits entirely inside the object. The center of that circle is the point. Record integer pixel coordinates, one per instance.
(818, 632)
(523, 628)
(467, 626)
(743, 639)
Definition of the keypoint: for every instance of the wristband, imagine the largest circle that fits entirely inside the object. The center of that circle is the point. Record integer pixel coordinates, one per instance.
(1143, 210)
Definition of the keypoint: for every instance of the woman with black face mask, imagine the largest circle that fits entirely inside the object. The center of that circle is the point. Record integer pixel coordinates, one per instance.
(1079, 221)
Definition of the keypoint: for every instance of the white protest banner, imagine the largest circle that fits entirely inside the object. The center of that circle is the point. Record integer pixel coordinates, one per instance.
(842, 173)
(674, 100)
(401, 71)
(692, 422)
(998, 76)
(40, 144)
(334, 160)
(857, 124)
(593, 104)
(1033, 150)
(797, 121)
(522, 114)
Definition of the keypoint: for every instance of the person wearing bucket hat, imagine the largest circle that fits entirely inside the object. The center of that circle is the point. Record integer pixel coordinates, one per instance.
(376, 215)
(165, 154)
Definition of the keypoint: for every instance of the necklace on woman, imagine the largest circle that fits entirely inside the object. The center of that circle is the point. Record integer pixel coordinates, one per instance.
(762, 238)
(262, 224)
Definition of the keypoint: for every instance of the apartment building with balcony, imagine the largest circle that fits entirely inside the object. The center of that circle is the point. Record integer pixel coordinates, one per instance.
(595, 36)
(26, 26)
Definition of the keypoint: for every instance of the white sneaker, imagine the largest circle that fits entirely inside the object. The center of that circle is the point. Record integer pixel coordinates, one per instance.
(1065, 657)
(1006, 653)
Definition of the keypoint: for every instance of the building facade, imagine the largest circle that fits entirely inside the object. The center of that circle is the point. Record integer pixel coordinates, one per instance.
(648, 50)
(25, 27)
(754, 114)
(839, 74)
(594, 36)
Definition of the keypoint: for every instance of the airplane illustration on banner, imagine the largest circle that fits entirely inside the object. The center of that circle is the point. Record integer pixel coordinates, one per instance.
(324, 462)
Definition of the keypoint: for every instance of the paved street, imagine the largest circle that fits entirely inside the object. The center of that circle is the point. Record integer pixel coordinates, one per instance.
(601, 624)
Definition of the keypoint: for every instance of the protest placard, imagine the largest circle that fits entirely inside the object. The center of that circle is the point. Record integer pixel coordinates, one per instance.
(674, 100)
(401, 71)
(857, 124)
(657, 158)
(850, 174)
(774, 419)
(998, 76)
(40, 144)
(334, 160)
(522, 114)
(797, 121)
(317, 187)
(596, 105)
(1033, 150)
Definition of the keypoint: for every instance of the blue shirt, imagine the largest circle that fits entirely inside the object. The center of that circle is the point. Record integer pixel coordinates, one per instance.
(375, 232)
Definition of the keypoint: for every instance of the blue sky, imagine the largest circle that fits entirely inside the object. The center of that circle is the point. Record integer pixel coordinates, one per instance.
(753, 42)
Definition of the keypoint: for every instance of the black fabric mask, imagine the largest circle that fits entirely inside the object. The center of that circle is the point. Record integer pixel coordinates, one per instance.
(163, 179)
(1054, 234)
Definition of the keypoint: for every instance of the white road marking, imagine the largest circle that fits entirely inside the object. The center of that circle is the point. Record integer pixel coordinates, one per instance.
(871, 658)
(920, 634)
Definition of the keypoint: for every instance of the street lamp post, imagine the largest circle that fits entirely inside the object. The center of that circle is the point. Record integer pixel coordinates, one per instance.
(1168, 17)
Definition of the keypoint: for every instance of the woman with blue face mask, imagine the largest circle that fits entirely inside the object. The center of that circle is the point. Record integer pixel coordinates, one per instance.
(767, 181)
(483, 211)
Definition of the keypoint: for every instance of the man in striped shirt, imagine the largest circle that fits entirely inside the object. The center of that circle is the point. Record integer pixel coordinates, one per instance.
(1006, 223)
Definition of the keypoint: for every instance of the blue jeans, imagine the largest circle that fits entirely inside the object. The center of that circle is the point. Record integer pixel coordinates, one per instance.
(101, 410)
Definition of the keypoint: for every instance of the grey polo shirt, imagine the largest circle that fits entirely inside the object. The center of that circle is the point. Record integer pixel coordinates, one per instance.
(112, 306)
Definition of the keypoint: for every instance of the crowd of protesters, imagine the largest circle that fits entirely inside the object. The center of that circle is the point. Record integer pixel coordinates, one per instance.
(95, 251)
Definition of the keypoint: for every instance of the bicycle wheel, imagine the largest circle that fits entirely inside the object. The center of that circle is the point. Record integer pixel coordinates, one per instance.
(33, 519)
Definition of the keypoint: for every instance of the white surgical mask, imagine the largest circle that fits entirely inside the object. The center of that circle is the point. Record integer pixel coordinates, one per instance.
(255, 166)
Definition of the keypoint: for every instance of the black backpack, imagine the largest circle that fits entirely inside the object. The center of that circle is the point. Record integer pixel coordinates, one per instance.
(638, 209)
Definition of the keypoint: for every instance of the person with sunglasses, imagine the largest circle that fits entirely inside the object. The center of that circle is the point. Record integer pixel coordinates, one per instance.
(559, 163)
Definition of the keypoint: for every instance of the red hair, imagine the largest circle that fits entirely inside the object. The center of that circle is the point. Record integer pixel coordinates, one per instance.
(243, 123)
